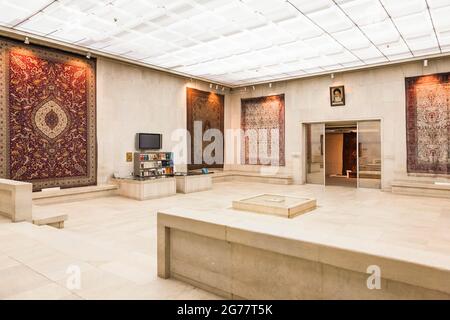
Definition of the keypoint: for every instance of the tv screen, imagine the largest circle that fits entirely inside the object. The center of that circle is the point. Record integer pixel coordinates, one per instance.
(149, 141)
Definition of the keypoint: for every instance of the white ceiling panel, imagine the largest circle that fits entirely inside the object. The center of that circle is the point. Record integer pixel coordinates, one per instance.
(240, 41)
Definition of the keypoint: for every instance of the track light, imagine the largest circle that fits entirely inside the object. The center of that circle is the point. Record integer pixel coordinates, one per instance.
(27, 40)
(425, 63)
(88, 55)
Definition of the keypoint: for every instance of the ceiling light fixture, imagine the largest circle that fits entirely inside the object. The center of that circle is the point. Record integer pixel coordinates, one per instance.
(332, 76)
(27, 40)
(270, 85)
(88, 55)
(425, 63)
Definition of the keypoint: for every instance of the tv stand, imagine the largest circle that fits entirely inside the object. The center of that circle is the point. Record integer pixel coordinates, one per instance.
(147, 188)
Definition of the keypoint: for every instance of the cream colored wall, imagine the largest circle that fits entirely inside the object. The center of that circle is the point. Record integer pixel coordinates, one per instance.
(132, 99)
(377, 93)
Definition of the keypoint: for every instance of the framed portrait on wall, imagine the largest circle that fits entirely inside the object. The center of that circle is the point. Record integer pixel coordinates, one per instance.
(337, 96)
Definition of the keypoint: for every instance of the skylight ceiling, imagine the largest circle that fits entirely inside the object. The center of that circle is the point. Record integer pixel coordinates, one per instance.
(242, 42)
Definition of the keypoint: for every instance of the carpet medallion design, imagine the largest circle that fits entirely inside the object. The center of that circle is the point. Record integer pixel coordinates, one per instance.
(51, 120)
(263, 118)
(428, 124)
(47, 117)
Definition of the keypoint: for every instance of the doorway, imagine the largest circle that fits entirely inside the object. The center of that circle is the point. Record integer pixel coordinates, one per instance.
(341, 155)
(344, 153)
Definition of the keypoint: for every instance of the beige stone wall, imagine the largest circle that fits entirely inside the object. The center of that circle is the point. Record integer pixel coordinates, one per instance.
(377, 93)
(132, 99)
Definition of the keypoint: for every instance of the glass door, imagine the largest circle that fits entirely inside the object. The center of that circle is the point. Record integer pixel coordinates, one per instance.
(315, 153)
(369, 154)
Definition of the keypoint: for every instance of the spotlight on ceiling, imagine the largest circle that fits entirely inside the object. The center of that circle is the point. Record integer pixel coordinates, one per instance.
(332, 76)
(270, 85)
(88, 55)
(425, 63)
(27, 40)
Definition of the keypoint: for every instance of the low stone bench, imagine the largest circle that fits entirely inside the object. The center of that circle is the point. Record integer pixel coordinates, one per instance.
(246, 176)
(52, 220)
(16, 200)
(440, 189)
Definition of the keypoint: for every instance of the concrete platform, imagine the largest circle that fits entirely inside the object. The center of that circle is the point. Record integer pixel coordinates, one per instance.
(243, 256)
(115, 239)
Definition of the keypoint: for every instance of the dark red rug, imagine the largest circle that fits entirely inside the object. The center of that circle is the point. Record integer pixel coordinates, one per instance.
(47, 117)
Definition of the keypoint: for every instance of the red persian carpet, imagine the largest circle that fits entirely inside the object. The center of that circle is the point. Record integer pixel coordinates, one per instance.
(47, 117)
(428, 123)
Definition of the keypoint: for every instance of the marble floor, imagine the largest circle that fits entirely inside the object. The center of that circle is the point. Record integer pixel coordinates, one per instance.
(111, 241)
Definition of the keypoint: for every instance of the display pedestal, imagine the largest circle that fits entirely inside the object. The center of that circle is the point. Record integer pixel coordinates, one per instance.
(283, 206)
(194, 183)
(147, 189)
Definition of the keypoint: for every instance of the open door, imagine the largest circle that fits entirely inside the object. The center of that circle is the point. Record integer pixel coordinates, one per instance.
(369, 154)
(315, 153)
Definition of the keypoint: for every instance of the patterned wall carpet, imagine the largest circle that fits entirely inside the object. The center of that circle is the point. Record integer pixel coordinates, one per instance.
(47, 117)
(208, 108)
(261, 115)
(428, 123)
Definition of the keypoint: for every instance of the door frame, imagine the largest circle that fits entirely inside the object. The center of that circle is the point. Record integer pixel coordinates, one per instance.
(303, 125)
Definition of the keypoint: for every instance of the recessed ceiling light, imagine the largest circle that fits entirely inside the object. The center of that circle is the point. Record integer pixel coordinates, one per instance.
(27, 40)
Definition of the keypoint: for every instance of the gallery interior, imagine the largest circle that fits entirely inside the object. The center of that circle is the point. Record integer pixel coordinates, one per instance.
(241, 149)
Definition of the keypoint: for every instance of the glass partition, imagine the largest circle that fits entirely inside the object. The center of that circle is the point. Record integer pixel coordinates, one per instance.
(369, 154)
(315, 153)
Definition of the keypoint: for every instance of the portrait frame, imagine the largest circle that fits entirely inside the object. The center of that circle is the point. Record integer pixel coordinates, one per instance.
(333, 101)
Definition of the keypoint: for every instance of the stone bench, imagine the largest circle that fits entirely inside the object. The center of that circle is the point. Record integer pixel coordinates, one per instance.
(439, 189)
(74, 194)
(16, 200)
(248, 176)
(52, 220)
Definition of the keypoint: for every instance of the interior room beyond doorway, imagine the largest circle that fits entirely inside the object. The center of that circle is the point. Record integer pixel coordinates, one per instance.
(341, 154)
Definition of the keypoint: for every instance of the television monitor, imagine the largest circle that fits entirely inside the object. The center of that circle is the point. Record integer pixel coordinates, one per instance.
(149, 141)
